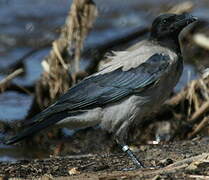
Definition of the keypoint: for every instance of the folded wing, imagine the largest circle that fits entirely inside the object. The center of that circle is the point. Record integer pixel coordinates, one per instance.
(99, 90)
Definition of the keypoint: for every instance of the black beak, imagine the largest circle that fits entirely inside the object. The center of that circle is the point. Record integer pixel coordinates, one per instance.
(182, 21)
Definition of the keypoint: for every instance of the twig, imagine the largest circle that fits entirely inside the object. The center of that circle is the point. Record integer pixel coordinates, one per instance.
(199, 177)
(29, 89)
(188, 160)
(178, 165)
(175, 100)
(65, 54)
(199, 127)
(73, 157)
(203, 109)
(5, 81)
(19, 62)
(11, 76)
(201, 40)
(183, 7)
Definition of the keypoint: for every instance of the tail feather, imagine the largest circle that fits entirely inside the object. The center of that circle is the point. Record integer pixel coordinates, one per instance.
(38, 126)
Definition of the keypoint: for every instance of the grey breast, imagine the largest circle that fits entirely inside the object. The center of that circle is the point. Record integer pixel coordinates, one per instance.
(135, 107)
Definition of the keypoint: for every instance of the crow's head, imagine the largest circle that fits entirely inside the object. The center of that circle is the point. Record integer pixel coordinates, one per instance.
(170, 25)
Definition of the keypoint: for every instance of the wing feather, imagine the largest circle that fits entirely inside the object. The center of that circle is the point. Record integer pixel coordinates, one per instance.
(106, 88)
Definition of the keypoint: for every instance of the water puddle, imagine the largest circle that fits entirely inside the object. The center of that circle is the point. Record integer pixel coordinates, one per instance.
(14, 106)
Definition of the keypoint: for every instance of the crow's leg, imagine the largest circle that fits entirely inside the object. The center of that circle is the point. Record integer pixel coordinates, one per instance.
(121, 139)
(133, 157)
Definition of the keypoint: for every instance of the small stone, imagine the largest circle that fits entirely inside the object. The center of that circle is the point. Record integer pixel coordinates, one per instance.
(166, 162)
(74, 171)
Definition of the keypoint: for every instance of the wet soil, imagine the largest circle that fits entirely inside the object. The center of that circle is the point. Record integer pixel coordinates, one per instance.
(177, 160)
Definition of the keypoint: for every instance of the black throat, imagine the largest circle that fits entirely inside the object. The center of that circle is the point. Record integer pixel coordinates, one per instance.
(169, 42)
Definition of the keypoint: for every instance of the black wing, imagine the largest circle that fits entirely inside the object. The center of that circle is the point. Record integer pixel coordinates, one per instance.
(110, 87)
(98, 90)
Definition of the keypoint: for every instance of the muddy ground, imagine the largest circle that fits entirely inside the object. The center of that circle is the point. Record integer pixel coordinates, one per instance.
(177, 160)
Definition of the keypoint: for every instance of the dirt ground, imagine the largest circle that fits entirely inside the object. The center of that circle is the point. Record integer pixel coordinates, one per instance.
(177, 160)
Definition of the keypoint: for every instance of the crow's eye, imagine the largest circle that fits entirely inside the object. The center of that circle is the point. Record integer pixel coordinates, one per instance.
(164, 21)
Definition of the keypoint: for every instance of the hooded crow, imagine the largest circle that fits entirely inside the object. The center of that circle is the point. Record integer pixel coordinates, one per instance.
(125, 90)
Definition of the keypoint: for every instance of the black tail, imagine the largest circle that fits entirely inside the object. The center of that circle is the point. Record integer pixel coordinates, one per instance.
(38, 126)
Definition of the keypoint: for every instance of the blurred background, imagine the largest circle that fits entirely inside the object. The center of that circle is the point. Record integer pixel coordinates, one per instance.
(27, 30)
